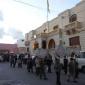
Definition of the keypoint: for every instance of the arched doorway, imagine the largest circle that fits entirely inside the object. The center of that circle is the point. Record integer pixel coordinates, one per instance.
(44, 44)
(35, 45)
(51, 44)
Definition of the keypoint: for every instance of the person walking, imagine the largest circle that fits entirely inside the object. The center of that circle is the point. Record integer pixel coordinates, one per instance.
(12, 60)
(76, 69)
(57, 68)
(20, 60)
(72, 70)
(37, 66)
(29, 64)
(42, 69)
(48, 61)
(65, 63)
(15, 60)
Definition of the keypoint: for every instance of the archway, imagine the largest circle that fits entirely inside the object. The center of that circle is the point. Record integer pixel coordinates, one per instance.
(35, 45)
(51, 44)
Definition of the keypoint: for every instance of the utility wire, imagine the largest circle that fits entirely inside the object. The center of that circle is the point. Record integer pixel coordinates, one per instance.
(28, 4)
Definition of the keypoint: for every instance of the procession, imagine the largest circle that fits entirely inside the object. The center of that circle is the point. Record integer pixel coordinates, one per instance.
(42, 42)
(42, 63)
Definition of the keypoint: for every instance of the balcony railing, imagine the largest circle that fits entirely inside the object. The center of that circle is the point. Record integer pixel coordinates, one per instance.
(74, 24)
(73, 28)
(42, 35)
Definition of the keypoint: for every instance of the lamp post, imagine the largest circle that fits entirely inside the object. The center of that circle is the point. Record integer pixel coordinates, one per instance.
(35, 37)
(60, 49)
(61, 32)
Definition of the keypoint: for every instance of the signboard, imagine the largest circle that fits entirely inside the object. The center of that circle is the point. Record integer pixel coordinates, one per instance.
(41, 52)
(60, 51)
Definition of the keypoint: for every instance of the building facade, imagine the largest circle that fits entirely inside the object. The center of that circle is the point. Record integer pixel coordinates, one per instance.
(67, 28)
(8, 48)
(21, 46)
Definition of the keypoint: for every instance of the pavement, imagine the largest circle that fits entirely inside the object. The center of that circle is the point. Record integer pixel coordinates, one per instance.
(20, 76)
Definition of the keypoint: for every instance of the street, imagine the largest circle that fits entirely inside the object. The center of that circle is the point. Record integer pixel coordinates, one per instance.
(20, 76)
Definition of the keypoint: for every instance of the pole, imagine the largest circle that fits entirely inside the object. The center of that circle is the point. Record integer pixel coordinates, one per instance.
(47, 15)
(61, 31)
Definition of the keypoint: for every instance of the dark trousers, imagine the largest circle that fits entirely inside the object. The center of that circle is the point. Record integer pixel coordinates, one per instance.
(65, 69)
(29, 68)
(12, 64)
(58, 82)
(77, 73)
(49, 68)
(19, 65)
(37, 70)
(42, 73)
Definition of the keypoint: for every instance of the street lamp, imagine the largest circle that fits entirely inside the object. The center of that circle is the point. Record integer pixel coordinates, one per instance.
(36, 44)
(35, 37)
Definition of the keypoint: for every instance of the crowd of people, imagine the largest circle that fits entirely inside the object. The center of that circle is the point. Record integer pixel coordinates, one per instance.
(36, 64)
(40, 65)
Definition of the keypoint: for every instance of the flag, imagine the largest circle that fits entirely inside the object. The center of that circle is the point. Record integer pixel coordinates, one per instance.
(48, 6)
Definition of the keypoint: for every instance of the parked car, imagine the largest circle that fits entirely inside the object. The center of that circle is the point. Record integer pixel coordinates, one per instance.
(80, 59)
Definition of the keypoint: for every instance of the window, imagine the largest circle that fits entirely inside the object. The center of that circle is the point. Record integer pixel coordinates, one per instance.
(74, 41)
(44, 44)
(73, 18)
(35, 45)
(27, 49)
(51, 44)
(44, 30)
(55, 27)
(22, 40)
(73, 31)
(68, 32)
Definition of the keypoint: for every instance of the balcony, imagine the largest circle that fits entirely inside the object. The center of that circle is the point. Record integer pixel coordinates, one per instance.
(74, 24)
(73, 28)
(44, 35)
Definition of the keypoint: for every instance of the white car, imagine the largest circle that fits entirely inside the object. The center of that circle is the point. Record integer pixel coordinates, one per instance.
(80, 59)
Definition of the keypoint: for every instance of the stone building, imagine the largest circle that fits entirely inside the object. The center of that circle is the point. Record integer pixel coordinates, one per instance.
(67, 28)
(21, 46)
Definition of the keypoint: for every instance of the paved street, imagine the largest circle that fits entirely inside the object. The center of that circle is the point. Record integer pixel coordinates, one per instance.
(17, 76)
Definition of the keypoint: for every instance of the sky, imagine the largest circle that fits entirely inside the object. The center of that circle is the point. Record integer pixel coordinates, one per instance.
(17, 18)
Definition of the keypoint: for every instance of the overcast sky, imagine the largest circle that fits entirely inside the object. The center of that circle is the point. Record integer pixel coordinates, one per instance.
(17, 18)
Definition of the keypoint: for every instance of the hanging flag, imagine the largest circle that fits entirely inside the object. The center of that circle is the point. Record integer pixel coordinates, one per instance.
(48, 6)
